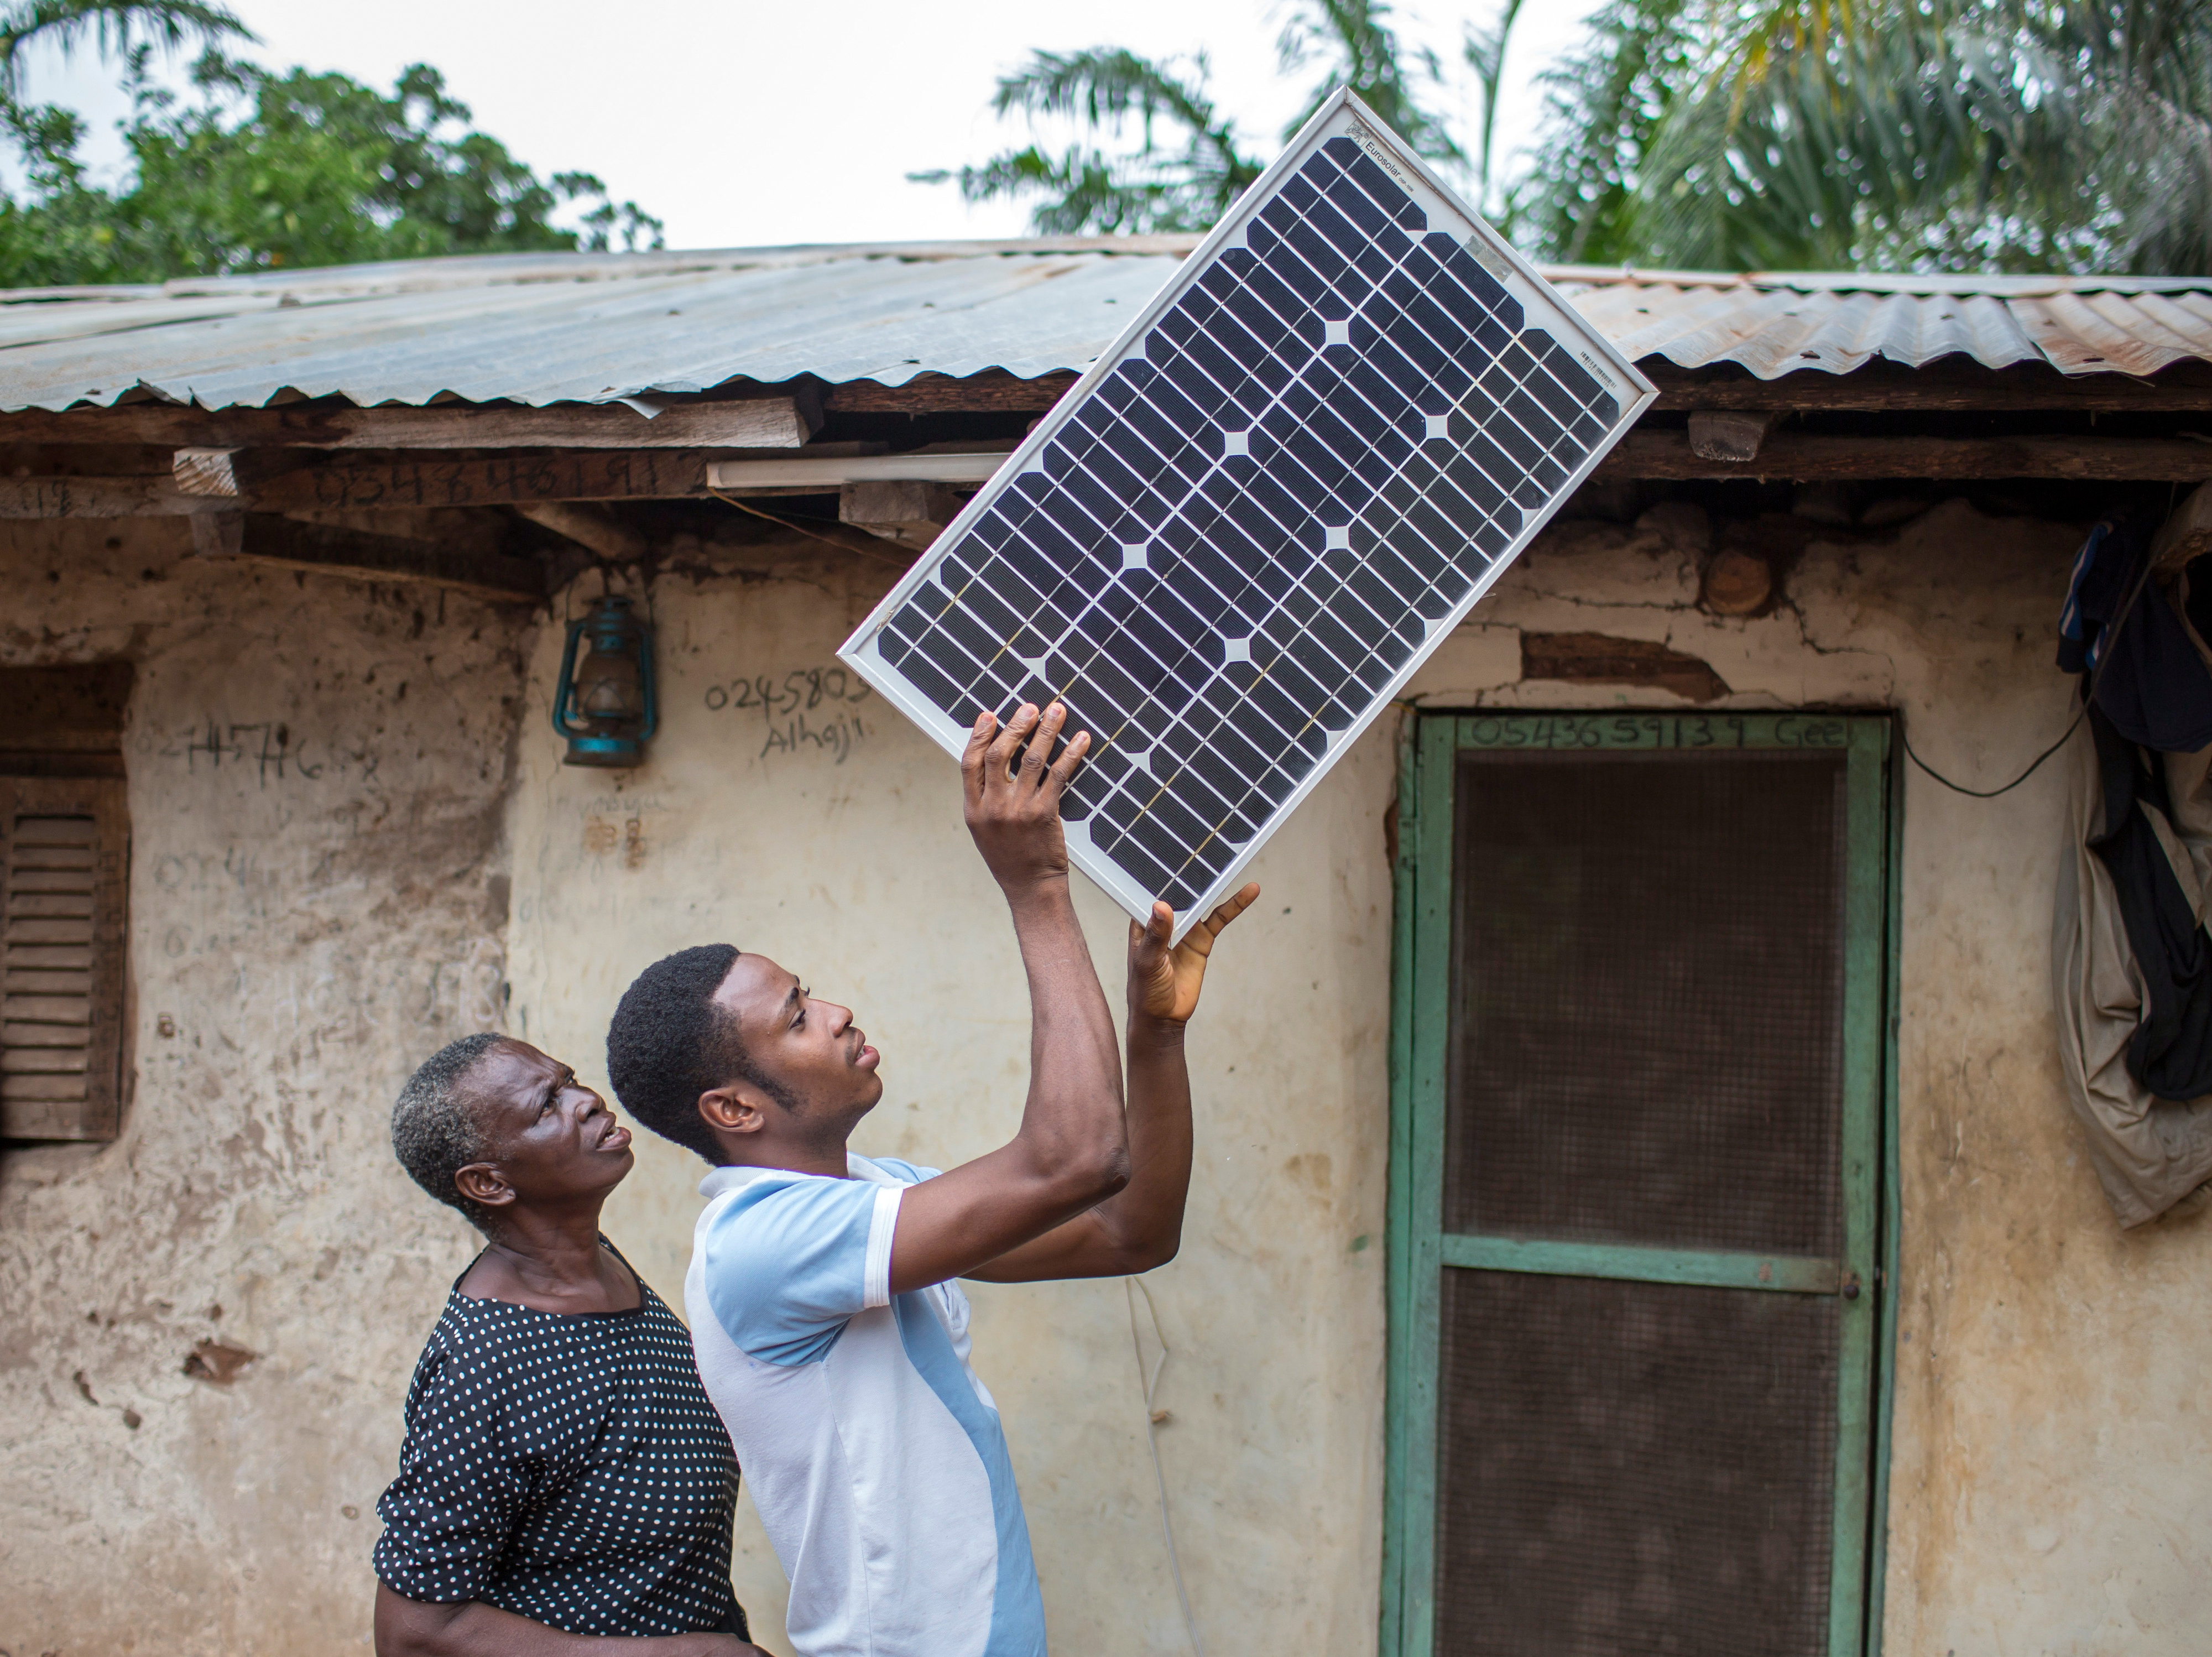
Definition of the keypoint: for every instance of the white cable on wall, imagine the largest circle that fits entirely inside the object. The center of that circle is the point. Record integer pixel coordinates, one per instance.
(1152, 1418)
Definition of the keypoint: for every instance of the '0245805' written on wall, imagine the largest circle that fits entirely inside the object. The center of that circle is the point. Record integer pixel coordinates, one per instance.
(804, 710)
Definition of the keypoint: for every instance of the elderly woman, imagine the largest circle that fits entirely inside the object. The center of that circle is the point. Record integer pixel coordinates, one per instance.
(566, 1487)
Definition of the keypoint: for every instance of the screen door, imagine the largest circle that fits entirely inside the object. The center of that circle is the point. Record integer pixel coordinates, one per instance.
(1637, 1185)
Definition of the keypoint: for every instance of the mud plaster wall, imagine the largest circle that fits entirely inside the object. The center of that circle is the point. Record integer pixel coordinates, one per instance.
(2051, 1467)
(316, 771)
(2050, 1472)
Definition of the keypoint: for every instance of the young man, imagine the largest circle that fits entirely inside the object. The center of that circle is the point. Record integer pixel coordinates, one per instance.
(829, 1330)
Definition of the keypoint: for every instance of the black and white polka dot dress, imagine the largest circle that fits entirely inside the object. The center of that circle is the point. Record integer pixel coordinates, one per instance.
(568, 1468)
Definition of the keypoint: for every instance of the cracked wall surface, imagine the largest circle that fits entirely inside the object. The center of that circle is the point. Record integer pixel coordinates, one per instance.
(2049, 1462)
(316, 775)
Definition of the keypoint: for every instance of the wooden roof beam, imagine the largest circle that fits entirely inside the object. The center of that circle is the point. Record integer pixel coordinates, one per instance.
(417, 482)
(759, 422)
(284, 543)
(1805, 457)
(1948, 384)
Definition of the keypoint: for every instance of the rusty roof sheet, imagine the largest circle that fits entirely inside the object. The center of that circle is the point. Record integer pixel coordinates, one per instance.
(542, 328)
(1774, 324)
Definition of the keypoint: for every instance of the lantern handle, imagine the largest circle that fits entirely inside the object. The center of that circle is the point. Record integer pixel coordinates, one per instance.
(565, 687)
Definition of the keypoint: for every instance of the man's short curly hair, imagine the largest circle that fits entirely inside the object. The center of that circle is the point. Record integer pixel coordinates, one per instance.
(669, 1042)
(434, 1133)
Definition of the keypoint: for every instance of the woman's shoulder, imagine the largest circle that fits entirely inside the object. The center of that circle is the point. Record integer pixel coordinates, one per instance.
(491, 1368)
(493, 1344)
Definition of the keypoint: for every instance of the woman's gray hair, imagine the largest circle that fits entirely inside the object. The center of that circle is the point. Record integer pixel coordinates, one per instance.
(434, 1132)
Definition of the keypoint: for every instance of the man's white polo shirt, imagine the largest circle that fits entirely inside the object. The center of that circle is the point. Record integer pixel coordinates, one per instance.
(874, 1454)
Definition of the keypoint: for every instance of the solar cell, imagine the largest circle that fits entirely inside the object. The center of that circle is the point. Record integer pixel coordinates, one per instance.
(1248, 524)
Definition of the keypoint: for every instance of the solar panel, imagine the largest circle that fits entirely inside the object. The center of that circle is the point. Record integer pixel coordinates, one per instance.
(1241, 533)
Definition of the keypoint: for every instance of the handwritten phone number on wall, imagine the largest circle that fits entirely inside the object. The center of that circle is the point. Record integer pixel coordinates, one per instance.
(808, 710)
(802, 690)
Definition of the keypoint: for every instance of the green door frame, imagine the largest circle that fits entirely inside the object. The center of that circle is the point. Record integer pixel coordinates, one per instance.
(1420, 1250)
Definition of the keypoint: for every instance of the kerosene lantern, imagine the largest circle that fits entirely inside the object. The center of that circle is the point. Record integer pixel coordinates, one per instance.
(604, 703)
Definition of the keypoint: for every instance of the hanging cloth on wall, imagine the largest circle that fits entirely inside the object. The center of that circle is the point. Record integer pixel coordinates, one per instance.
(2131, 959)
(2161, 897)
(2157, 688)
(2149, 1152)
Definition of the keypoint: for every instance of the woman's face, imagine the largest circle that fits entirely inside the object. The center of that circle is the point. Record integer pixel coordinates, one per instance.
(554, 1141)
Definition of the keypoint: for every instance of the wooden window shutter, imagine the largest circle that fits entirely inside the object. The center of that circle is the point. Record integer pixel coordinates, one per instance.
(64, 852)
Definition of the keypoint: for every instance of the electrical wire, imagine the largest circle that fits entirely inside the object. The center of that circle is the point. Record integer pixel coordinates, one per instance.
(801, 529)
(1152, 1417)
(1991, 794)
(2112, 636)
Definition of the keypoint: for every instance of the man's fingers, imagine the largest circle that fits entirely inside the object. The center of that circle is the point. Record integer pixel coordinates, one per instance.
(1040, 744)
(999, 757)
(1148, 938)
(1063, 768)
(971, 757)
(1249, 895)
(1212, 925)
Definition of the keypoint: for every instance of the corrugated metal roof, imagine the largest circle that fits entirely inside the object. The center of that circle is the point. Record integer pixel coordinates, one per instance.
(1772, 324)
(569, 327)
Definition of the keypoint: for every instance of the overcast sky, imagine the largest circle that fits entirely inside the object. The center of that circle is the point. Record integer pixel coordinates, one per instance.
(747, 124)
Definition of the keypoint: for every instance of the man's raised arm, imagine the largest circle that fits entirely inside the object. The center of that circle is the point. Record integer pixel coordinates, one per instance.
(1072, 1151)
(1141, 1226)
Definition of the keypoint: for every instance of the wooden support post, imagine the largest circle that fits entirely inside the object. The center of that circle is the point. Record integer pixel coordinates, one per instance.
(594, 529)
(1727, 434)
(212, 472)
(912, 513)
(1737, 583)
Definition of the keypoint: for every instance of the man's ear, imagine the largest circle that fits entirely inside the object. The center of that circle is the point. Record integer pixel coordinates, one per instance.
(482, 1183)
(738, 1108)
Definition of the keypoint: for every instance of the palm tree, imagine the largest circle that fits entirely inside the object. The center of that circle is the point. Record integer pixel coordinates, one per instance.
(2019, 135)
(1185, 168)
(1353, 43)
(1485, 51)
(1157, 154)
(47, 135)
(1606, 101)
(113, 25)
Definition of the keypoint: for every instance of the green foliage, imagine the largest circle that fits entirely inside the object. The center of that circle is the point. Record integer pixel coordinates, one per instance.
(1353, 43)
(1169, 160)
(113, 26)
(1607, 102)
(1937, 135)
(1485, 51)
(1927, 134)
(1179, 169)
(251, 170)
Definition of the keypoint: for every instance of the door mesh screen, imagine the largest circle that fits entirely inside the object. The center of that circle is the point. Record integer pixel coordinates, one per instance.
(1632, 1470)
(1647, 1039)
